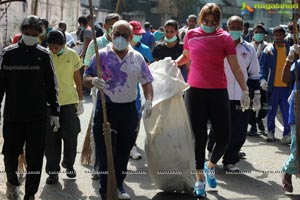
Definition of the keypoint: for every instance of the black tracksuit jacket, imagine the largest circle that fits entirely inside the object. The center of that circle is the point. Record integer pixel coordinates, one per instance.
(28, 80)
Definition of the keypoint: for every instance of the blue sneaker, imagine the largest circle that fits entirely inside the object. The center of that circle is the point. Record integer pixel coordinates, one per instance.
(210, 176)
(199, 189)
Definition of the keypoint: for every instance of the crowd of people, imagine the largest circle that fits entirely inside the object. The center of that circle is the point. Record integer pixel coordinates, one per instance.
(232, 71)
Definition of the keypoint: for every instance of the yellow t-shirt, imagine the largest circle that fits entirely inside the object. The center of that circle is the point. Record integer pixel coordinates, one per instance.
(65, 66)
(281, 56)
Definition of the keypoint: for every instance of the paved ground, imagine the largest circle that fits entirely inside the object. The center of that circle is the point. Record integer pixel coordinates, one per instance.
(260, 178)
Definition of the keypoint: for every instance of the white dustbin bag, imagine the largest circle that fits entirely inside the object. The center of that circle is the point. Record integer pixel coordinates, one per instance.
(169, 147)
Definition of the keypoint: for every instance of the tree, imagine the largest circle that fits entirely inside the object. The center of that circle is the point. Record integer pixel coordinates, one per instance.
(185, 8)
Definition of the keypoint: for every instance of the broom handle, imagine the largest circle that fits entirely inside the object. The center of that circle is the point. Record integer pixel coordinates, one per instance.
(111, 193)
(296, 41)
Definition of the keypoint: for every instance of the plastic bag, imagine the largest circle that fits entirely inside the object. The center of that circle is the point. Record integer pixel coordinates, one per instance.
(169, 146)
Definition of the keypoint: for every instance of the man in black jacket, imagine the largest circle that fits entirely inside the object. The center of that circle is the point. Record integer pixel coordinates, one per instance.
(28, 80)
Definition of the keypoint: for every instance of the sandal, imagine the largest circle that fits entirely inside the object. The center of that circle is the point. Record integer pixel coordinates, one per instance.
(286, 186)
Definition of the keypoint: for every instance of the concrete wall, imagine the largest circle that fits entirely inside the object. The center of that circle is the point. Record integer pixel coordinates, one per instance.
(66, 10)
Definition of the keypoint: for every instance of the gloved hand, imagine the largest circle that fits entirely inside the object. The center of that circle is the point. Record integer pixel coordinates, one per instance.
(98, 83)
(245, 100)
(294, 49)
(80, 108)
(54, 121)
(264, 84)
(147, 107)
(256, 102)
(174, 63)
(268, 49)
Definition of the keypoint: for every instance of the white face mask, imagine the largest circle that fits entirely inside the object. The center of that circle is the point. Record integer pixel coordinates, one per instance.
(29, 40)
(120, 43)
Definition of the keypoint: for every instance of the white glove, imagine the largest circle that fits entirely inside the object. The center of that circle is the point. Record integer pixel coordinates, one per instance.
(268, 49)
(174, 63)
(98, 83)
(147, 107)
(264, 84)
(54, 121)
(245, 100)
(256, 102)
(294, 49)
(80, 108)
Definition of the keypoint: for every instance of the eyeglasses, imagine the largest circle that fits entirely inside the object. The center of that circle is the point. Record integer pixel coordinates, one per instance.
(206, 22)
(118, 34)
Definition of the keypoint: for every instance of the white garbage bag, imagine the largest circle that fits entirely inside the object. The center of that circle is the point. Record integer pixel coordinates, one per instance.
(169, 147)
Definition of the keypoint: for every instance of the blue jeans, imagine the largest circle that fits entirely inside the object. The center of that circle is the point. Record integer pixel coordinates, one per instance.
(278, 97)
(123, 119)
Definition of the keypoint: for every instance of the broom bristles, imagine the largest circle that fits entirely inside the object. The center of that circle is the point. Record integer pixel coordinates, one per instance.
(86, 153)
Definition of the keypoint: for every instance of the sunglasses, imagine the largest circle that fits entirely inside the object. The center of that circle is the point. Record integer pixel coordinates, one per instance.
(118, 34)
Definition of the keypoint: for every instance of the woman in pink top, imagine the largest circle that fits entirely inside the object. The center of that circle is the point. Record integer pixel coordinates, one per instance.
(207, 99)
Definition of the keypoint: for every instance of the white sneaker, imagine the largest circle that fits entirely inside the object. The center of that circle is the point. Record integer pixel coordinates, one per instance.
(231, 168)
(123, 195)
(134, 154)
(286, 139)
(270, 137)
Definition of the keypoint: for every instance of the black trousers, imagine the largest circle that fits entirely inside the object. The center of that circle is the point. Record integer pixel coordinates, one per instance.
(32, 134)
(123, 118)
(262, 112)
(68, 132)
(203, 105)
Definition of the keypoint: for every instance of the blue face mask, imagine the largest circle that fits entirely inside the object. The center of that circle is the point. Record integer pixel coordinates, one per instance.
(120, 43)
(170, 40)
(137, 38)
(258, 37)
(235, 34)
(208, 29)
(29, 40)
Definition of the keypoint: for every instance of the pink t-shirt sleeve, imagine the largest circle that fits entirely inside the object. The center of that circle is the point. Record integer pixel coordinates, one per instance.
(207, 53)
(229, 47)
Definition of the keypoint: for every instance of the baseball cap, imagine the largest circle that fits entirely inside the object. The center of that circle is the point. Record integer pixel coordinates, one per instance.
(137, 27)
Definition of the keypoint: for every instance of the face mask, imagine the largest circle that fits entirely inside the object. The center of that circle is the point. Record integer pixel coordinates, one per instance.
(120, 43)
(137, 38)
(170, 40)
(235, 34)
(208, 29)
(61, 51)
(258, 37)
(29, 40)
(109, 31)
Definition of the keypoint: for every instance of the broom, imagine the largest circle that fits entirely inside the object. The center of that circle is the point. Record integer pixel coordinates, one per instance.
(111, 192)
(296, 107)
(86, 153)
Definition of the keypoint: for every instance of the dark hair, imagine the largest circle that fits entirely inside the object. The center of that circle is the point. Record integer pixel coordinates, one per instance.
(192, 17)
(247, 24)
(82, 20)
(62, 24)
(171, 22)
(259, 26)
(31, 21)
(45, 22)
(56, 36)
(279, 29)
(147, 25)
(112, 16)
